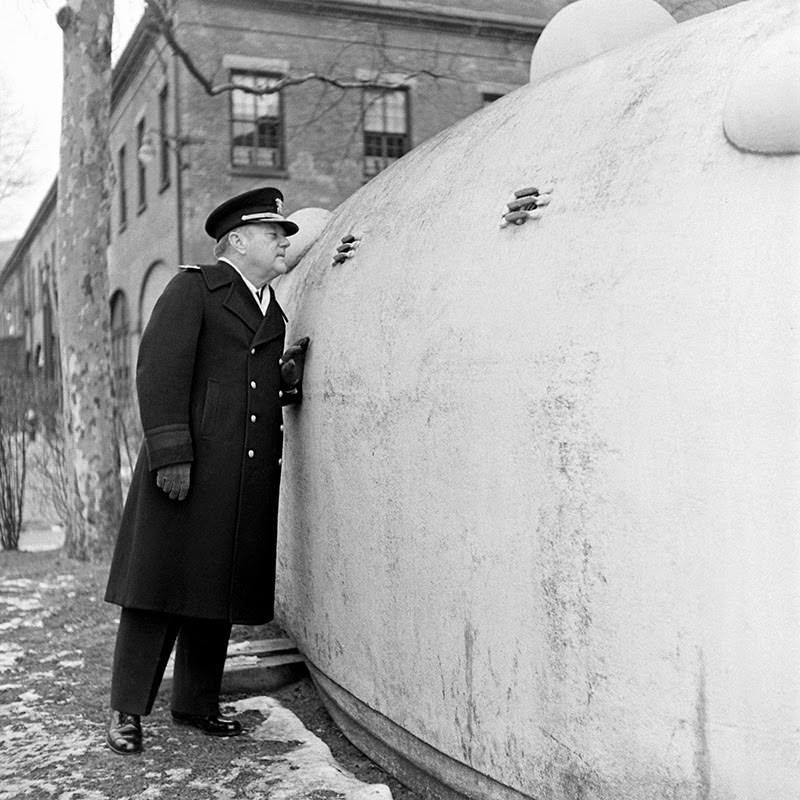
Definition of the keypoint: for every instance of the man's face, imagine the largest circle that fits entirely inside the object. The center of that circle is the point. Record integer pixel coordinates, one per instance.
(265, 250)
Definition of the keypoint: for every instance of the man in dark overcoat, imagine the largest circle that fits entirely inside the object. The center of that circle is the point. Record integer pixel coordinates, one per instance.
(196, 548)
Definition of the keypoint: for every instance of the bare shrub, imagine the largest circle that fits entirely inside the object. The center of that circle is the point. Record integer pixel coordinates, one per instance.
(17, 417)
(48, 483)
(49, 491)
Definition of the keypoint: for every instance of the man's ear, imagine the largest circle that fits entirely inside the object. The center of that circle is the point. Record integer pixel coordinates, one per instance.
(237, 241)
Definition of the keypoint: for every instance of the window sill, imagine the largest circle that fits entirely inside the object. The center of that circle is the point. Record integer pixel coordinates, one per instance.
(163, 188)
(142, 208)
(263, 172)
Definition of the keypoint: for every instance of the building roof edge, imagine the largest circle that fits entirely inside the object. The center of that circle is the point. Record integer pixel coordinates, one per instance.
(419, 13)
(45, 207)
(140, 42)
(405, 11)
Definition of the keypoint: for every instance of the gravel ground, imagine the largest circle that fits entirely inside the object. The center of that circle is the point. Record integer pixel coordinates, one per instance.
(56, 640)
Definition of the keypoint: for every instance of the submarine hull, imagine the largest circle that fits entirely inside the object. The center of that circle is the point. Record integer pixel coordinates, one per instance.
(540, 504)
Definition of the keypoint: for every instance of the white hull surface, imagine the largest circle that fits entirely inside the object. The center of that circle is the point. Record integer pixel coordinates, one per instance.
(540, 527)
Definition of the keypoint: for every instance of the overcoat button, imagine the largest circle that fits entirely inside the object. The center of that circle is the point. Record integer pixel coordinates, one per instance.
(280, 461)
(252, 384)
(280, 392)
(252, 418)
(253, 351)
(250, 453)
(281, 426)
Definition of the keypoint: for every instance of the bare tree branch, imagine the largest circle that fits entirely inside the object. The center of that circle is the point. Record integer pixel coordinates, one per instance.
(161, 22)
(14, 145)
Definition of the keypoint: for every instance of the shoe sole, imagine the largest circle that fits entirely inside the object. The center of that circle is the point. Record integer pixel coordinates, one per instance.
(221, 734)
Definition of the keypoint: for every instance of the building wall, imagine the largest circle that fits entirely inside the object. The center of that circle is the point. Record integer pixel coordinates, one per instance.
(145, 243)
(12, 356)
(41, 339)
(323, 140)
(27, 286)
(324, 149)
(12, 305)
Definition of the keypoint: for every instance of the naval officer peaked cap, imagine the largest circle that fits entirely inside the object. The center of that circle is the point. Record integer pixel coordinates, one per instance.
(257, 205)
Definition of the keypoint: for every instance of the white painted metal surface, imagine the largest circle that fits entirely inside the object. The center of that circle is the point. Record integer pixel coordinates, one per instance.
(540, 504)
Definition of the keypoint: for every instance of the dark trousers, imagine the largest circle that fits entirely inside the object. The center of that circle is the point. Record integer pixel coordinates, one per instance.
(144, 642)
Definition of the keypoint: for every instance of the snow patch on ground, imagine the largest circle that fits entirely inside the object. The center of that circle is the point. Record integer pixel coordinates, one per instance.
(308, 767)
(22, 603)
(24, 598)
(10, 653)
(49, 752)
(36, 739)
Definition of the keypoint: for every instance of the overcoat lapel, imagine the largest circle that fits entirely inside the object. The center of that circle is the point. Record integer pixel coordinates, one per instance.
(239, 300)
(243, 304)
(272, 325)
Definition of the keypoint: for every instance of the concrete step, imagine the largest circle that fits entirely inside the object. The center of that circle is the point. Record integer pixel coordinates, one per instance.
(261, 647)
(256, 666)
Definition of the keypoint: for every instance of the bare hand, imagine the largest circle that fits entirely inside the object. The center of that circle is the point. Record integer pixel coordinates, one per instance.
(174, 480)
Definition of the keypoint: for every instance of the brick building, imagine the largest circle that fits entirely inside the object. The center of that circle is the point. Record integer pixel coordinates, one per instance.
(177, 150)
(28, 339)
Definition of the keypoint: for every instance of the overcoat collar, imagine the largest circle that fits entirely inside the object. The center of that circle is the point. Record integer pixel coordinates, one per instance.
(217, 275)
(241, 302)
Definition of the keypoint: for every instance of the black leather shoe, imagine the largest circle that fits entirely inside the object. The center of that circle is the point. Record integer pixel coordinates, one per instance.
(124, 733)
(213, 724)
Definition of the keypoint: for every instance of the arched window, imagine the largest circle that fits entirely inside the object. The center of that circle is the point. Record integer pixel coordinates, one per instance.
(156, 278)
(120, 344)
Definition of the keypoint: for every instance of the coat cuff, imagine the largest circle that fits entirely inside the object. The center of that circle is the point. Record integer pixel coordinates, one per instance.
(293, 396)
(168, 444)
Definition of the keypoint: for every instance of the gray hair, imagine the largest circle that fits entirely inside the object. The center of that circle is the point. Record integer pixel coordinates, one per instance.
(222, 246)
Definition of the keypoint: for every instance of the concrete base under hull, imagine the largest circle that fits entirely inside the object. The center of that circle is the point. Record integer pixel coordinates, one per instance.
(413, 762)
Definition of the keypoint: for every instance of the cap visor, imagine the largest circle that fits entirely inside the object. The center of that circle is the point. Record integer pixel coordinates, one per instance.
(288, 226)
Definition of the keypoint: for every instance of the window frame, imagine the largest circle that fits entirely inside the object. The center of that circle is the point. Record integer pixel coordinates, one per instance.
(122, 196)
(120, 343)
(141, 168)
(164, 159)
(386, 137)
(252, 166)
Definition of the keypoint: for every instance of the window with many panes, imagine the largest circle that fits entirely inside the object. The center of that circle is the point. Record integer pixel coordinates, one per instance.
(120, 348)
(123, 190)
(385, 128)
(141, 172)
(256, 122)
(163, 109)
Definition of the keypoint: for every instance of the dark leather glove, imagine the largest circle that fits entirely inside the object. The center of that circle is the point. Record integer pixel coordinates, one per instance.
(293, 361)
(174, 480)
